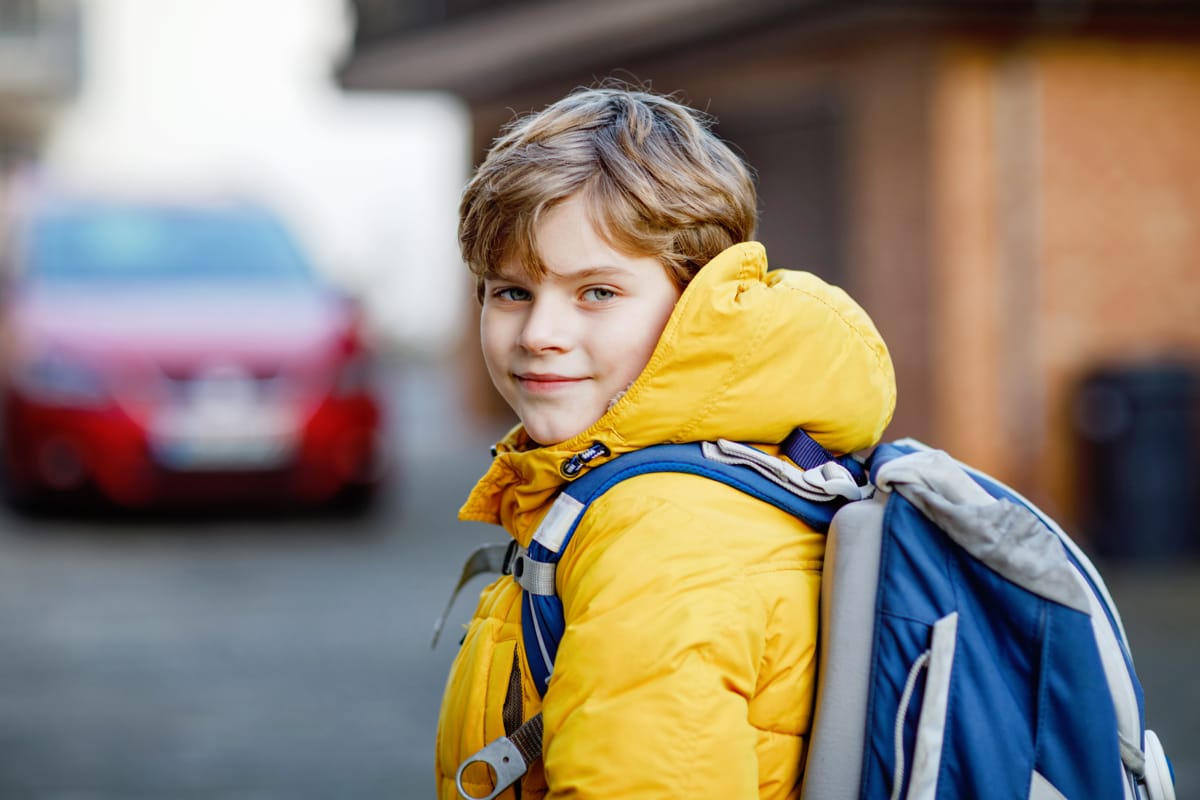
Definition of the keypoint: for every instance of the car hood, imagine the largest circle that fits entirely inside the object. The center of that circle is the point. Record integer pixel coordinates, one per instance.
(181, 319)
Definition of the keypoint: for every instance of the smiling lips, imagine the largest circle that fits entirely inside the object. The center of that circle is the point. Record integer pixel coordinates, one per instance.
(545, 382)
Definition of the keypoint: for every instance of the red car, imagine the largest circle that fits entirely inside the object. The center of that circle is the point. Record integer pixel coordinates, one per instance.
(179, 353)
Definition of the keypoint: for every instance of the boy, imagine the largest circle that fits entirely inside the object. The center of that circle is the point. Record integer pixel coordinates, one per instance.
(623, 305)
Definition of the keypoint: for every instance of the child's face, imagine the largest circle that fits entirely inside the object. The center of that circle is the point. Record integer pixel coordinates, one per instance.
(560, 348)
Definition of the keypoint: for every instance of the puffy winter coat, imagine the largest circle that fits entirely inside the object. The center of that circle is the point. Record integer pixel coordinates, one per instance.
(687, 666)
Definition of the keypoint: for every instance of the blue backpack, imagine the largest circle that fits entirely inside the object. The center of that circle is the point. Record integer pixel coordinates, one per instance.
(968, 647)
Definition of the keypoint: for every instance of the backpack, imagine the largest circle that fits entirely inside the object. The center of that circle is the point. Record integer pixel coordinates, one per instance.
(968, 648)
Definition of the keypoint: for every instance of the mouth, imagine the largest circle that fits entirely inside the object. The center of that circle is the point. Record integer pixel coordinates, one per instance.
(545, 382)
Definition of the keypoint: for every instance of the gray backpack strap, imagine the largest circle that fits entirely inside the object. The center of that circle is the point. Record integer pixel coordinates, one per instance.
(847, 629)
(495, 558)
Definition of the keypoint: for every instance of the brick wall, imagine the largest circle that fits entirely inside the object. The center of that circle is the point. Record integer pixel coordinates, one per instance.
(1066, 233)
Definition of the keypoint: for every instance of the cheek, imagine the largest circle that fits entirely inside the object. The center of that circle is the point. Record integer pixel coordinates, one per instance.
(631, 366)
(492, 338)
(638, 347)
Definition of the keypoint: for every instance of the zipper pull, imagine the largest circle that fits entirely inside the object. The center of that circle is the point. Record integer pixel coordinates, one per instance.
(574, 465)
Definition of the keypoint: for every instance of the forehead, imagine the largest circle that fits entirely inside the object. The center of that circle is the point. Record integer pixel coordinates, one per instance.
(563, 241)
(571, 237)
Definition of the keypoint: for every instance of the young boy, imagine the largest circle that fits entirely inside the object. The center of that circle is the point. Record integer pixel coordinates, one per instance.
(624, 305)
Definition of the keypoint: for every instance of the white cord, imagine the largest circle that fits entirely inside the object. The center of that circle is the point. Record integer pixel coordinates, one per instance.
(901, 713)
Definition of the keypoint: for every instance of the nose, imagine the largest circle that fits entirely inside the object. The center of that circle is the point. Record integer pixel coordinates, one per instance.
(546, 326)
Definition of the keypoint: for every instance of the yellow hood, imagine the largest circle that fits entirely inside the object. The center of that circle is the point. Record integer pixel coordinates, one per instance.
(747, 355)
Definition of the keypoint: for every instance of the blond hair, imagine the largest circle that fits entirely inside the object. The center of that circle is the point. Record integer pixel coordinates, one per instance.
(655, 178)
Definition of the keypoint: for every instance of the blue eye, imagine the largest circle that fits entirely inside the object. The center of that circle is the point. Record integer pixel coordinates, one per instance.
(599, 294)
(512, 294)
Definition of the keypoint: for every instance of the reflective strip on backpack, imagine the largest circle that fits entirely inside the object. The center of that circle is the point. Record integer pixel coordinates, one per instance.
(931, 724)
(558, 523)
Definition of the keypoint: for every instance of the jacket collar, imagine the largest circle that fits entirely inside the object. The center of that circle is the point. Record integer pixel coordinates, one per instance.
(748, 355)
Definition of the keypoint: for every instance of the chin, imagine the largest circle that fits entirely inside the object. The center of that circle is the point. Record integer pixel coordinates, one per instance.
(544, 439)
(553, 434)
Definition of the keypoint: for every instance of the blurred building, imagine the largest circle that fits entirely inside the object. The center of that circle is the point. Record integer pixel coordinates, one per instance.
(227, 99)
(1010, 188)
(39, 70)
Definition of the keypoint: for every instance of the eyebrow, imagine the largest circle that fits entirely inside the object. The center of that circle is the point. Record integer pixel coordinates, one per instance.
(589, 273)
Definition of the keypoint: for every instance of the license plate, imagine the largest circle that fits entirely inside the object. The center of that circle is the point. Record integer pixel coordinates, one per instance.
(224, 425)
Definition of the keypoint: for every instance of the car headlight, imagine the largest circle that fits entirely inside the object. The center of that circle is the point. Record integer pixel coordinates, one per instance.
(57, 380)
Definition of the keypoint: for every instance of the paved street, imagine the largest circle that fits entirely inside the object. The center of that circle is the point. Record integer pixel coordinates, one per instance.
(287, 659)
(239, 658)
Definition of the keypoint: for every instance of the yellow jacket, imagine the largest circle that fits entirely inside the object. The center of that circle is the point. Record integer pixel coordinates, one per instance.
(687, 666)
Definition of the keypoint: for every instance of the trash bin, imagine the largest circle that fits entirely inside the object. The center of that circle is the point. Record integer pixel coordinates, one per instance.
(1138, 434)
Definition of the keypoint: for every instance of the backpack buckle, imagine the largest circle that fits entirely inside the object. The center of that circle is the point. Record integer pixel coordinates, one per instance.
(535, 577)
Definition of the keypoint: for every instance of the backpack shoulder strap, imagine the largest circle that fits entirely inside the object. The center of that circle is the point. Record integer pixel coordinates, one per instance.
(812, 495)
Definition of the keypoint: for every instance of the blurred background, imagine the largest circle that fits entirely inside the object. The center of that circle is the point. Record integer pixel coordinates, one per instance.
(241, 396)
